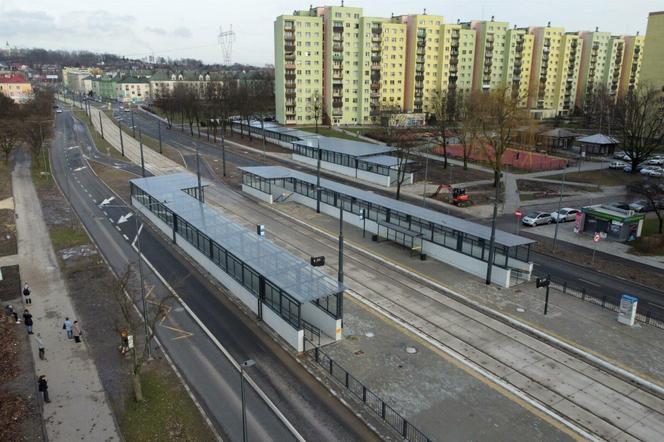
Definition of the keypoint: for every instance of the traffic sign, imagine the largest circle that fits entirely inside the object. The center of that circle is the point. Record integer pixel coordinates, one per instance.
(596, 238)
(518, 213)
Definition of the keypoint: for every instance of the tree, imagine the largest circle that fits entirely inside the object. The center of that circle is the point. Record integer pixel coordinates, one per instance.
(315, 107)
(127, 296)
(469, 114)
(653, 192)
(500, 117)
(401, 140)
(11, 126)
(639, 121)
(444, 104)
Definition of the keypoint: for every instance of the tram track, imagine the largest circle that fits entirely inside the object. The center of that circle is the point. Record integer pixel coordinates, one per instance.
(613, 387)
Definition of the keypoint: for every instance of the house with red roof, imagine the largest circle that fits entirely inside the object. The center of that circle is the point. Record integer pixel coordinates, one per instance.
(16, 87)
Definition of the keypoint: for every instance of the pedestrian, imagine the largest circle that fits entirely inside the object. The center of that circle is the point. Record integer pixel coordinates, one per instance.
(40, 346)
(27, 320)
(26, 293)
(76, 329)
(43, 387)
(9, 310)
(67, 326)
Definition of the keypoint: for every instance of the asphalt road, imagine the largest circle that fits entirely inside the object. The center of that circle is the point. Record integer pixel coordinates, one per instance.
(595, 283)
(310, 407)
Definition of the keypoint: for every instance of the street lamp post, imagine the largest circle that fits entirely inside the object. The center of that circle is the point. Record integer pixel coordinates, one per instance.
(560, 201)
(140, 141)
(159, 131)
(133, 127)
(426, 173)
(318, 177)
(121, 140)
(223, 152)
(101, 126)
(246, 364)
(492, 240)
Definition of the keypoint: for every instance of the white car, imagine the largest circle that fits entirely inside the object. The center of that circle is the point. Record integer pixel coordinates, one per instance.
(617, 165)
(619, 155)
(58, 111)
(656, 173)
(537, 218)
(565, 214)
(651, 170)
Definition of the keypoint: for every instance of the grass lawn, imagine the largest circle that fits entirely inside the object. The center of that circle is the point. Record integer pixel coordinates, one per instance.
(102, 145)
(605, 177)
(64, 237)
(166, 414)
(650, 226)
(326, 131)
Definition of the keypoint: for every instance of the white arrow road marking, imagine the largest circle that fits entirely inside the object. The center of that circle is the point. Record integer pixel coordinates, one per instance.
(124, 218)
(73, 147)
(78, 169)
(106, 201)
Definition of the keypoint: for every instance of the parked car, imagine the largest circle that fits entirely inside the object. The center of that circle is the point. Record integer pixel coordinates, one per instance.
(627, 169)
(565, 214)
(619, 155)
(656, 173)
(641, 206)
(58, 111)
(617, 165)
(655, 162)
(648, 170)
(536, 219)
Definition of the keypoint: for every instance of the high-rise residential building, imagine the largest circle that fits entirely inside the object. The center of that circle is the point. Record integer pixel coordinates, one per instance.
(490, 54)
(544, 70)
(601, 65)
(519, 44)
(360, 66)
(422, 60)
(652, 66)
(569, 64)
(631, 66)
(298, 47)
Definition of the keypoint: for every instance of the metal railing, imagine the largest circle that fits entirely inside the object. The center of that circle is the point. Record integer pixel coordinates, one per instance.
(643, 316)
(397, 422)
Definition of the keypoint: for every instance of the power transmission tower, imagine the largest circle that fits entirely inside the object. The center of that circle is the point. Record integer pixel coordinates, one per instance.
(226, 39)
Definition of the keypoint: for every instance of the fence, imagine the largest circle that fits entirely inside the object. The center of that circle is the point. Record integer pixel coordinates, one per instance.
(642, 315)
(370, 399)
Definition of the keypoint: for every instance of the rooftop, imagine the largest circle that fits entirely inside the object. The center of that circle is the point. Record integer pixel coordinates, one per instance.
(452, 222)
(598, 139)
(12, 79)
(291, 274)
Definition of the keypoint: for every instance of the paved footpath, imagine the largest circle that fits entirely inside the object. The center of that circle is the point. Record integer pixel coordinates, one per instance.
(79, 409)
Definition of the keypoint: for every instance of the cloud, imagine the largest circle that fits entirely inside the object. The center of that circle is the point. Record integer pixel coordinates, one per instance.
(180, 32)
(24, 22)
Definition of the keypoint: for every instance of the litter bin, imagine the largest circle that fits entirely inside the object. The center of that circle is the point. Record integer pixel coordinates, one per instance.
(374, 237)
(423, 256)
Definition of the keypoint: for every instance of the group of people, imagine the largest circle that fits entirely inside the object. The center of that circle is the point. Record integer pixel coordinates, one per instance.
(72, 330)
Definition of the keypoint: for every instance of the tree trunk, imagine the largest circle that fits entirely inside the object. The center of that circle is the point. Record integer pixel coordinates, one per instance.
(496, 177)
(465, 159)
(191, 128)
(182, 121)
(138, 389)
(661, 221)
(198, 129)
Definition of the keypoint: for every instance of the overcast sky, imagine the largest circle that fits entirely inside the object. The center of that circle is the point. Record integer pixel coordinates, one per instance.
(189, 28)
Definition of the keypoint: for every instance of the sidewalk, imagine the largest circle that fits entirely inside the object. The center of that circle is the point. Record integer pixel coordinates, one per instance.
(78, 409)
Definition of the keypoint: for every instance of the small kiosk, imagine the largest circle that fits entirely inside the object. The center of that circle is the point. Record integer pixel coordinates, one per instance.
(617, 223)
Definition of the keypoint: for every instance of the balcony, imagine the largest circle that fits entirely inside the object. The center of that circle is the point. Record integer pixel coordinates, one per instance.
(338, 38)
(337, 47)
(375, 38)
(289, 48)
(375, 94)
(454, 60)
(337, 75)
(419, 77)
(338, 29)
(289, 57)
(375, 66)
(289, 26)
(289, 36)
(375, 58)
(338, 56)
(375, 78)
(289, 66)
(375, 86)
(289, 77)
(290, 93)
(376, 30)
(337, 112)
(421, 43)
(337, 93)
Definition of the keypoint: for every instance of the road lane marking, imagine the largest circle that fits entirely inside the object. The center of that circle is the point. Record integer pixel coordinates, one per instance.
(591, 283)
(125, 237)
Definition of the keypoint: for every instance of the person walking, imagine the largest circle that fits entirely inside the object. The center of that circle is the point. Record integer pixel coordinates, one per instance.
(26, 293)
(43, 387)
(68, 326)
(76, 329)
(40, 346)
(27, 320)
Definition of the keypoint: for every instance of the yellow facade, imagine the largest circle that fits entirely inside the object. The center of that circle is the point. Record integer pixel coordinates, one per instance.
(593, 63)
(571, 48)
(544, 70)
(518, 58)
(652, 67)
(631, 66)
(490, 54)
(20, 91)
(613, 65)
(424, 56)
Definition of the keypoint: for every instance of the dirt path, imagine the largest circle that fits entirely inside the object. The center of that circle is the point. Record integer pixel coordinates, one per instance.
(78, 409)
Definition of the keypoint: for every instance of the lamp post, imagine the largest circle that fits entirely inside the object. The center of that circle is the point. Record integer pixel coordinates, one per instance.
(318, 177)
(492, 240)
(426, 173)
(121, 140)
(244, 365)
(223, 151)
(133, 127)
(159, 132)
(557, 220)
(140, 140)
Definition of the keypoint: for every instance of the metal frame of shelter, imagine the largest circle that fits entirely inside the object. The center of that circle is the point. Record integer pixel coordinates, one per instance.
(278, 279)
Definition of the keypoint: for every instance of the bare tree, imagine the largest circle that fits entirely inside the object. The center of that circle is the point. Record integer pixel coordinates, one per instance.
(315, 107)
(653, 192)
(401, 140)
(500, 117)
(444, 104)
(10, 125)
(639, 120)
(130, 323)
(469, 132)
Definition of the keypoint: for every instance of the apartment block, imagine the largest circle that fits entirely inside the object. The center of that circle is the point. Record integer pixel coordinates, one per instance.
(490, 54)
(423, 57)
(652, 66)
(519, 45)
(613, 66)
(594, 57)
(631, 66)
(567, 79)
(543, 89)
(298, 66)
(458, 49)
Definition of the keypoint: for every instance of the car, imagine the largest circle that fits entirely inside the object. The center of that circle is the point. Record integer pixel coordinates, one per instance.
(656, 173)
(641, 206)
(651, 170)
(655, 162)
(536, 219)
(126, 109)
(623, 206)
(58, 111)
(565, 214)
(619, 155)
(627, 169)
(617, 165)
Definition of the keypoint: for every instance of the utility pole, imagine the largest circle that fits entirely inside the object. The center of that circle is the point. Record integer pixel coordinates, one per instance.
(340, 277)
(557, 220)
(133, 127)
(223, 154)
(121, 141)
(318, 178)
(140, 140)
(198, 173)
(159, 131)
(101, 126)
(140, 272)
(492, 241)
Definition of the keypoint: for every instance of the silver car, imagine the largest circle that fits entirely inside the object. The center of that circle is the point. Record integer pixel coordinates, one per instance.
(537, 218)
(565, 214)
